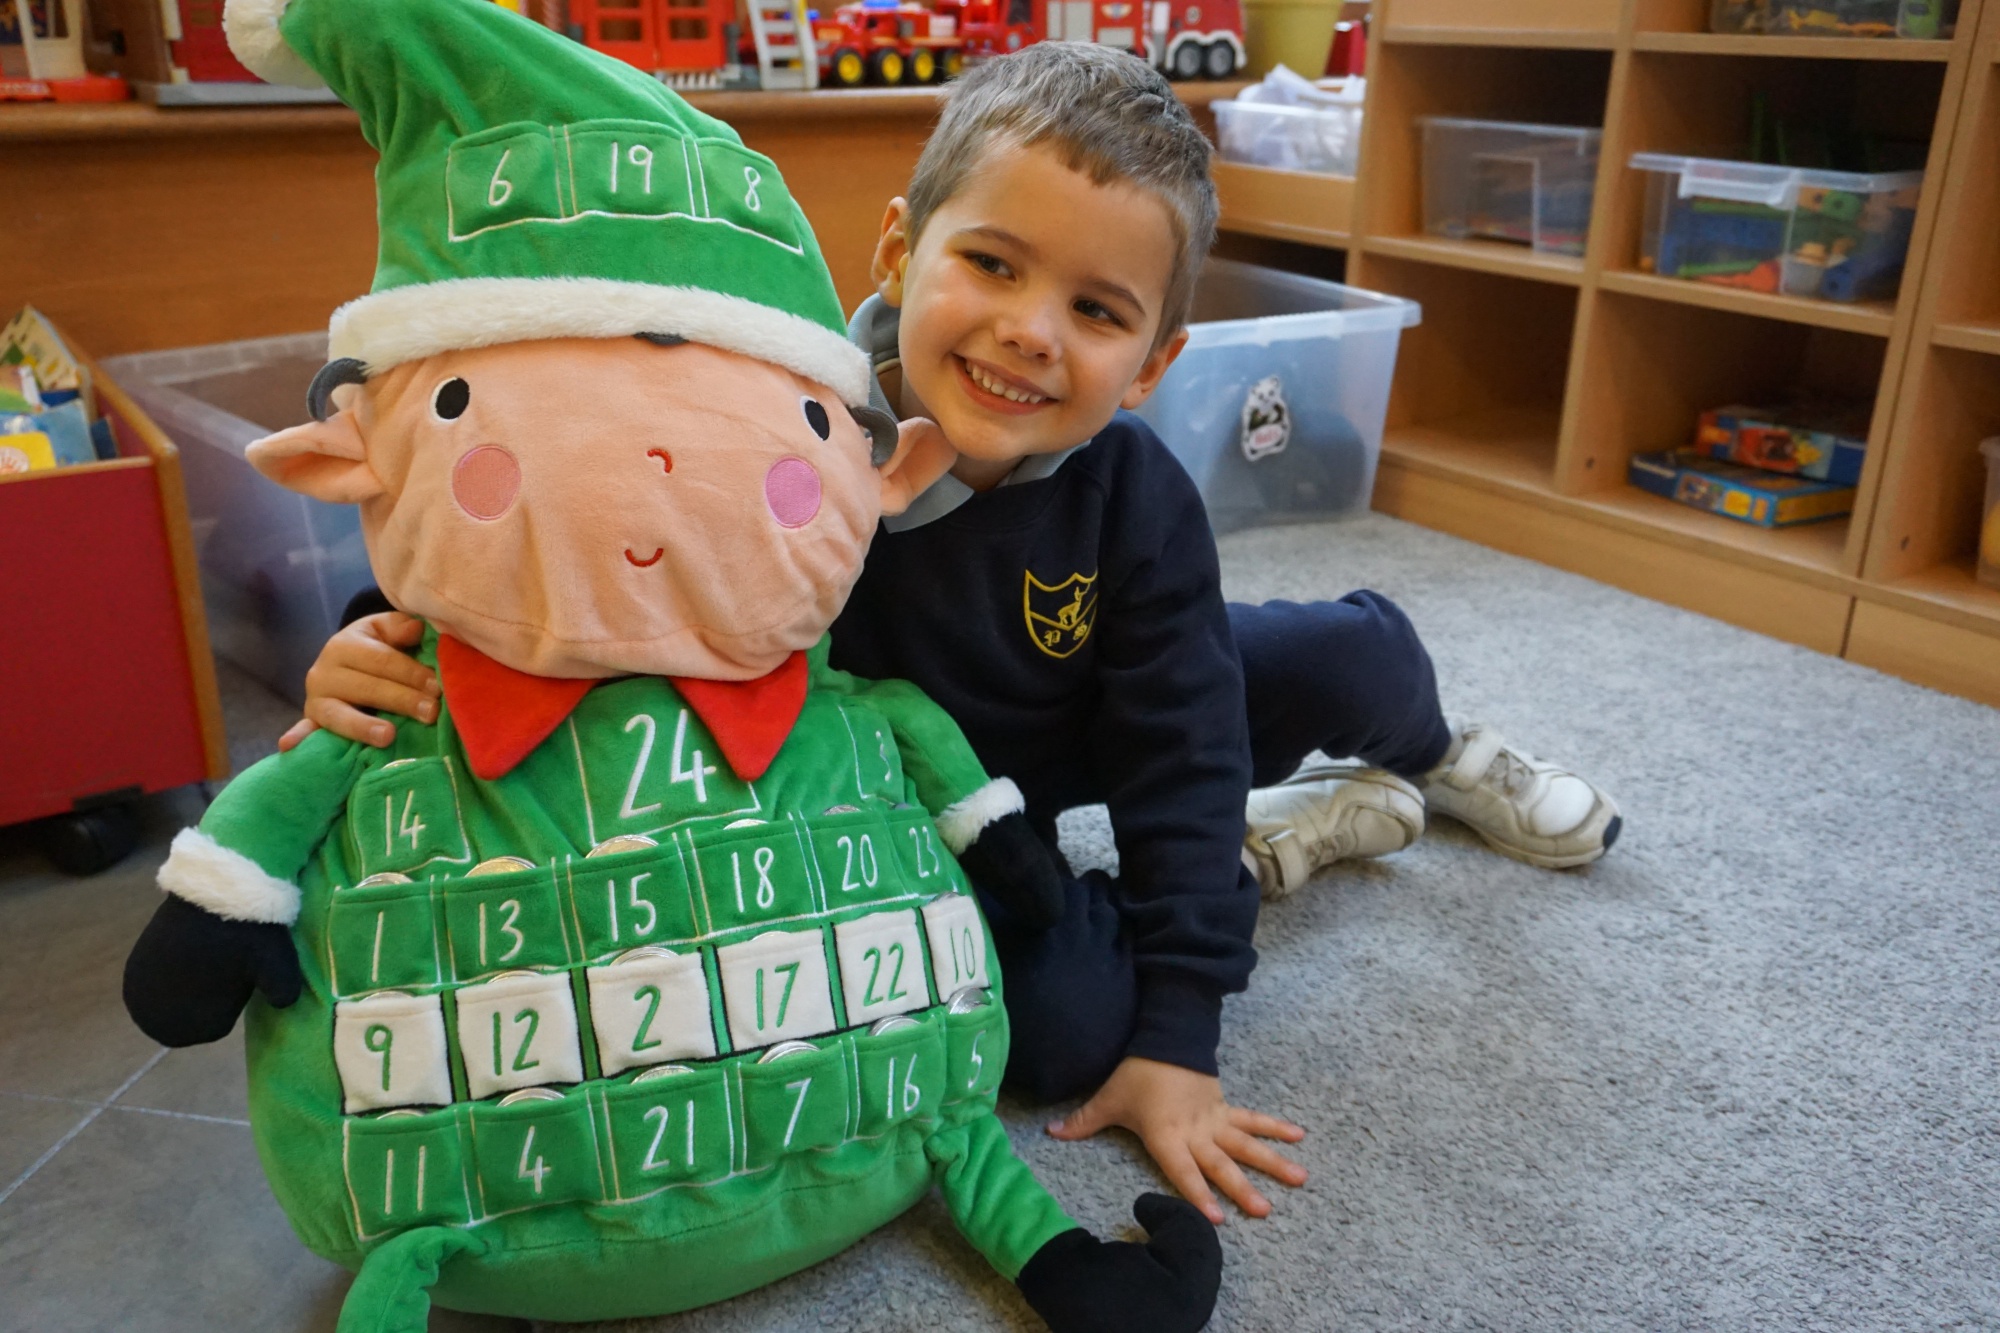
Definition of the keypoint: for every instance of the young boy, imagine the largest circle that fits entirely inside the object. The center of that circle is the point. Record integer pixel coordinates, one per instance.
(1059, 595)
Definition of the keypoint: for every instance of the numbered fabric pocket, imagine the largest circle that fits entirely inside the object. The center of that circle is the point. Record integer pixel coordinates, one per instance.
(975, 1052)
(754, 876)
(795, 1103)
(928, 868)
(404, 1170)
(902, 1076)
(650, 764)
(958, 943)
(383, 938)
(774, 988)
(504, 921)
(631, 899)
(648, 1008)
(670, 1129)
(857, 859)
(390, 1051)
(881, 966)
(404, 815)
(518, 1032)
(878, 762)
(535, 1153)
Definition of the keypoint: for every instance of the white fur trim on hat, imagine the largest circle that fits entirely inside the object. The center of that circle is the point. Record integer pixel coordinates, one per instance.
(252, 29)
(962, 821)
(202, 871)
(385, 329)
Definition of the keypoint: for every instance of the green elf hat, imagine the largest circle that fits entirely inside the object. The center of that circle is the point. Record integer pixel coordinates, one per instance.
(530, 187)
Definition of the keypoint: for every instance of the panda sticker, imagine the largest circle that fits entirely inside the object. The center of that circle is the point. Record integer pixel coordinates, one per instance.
(1267, 422)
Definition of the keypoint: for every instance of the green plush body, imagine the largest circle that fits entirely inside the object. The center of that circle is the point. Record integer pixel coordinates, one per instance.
(624, 1197)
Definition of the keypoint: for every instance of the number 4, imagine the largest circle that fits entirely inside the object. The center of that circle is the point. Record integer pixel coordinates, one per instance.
(536, 1173)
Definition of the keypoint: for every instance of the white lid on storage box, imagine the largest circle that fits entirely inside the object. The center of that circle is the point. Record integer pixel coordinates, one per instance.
(1760, 183)
(1240, 303)
(1522, 135)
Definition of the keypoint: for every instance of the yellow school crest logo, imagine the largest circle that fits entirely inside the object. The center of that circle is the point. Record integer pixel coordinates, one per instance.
(1060, 617)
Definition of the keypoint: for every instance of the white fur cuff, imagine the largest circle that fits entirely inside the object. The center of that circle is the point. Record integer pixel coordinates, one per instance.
(202, 871)
(962, 821)
(251, 26)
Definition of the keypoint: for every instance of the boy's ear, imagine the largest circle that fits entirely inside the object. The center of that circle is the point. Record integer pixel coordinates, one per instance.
(892, 252)
(1155, 366)
(922, 456)
(327, 460)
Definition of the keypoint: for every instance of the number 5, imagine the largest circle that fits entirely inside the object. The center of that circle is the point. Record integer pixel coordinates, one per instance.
(978, 1060)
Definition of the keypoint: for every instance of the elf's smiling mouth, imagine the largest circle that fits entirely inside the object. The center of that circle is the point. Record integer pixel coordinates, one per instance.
(649, 561)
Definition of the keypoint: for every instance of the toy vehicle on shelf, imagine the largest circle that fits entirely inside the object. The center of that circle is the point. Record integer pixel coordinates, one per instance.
(888, 42)
(1189, 41)
(685, 42)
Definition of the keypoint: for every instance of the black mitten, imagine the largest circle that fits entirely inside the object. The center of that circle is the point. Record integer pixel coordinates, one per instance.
(192, 972)
(1081, 1284)
(1011, 863)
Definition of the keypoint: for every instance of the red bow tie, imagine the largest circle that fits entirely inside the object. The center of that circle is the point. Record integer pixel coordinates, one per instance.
(503, 714)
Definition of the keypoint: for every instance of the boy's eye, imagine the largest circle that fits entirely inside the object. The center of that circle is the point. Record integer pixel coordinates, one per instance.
(1096, 311)
(816, 417)
(451, 399)
(988, 264)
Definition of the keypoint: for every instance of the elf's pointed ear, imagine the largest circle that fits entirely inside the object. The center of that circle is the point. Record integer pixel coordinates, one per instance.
(327, 460)
(922, 456)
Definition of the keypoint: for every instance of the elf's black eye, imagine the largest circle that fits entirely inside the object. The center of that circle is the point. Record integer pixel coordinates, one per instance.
(451, 399)
(816, 417)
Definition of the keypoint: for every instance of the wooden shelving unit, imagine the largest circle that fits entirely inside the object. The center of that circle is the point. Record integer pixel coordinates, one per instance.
(1534, 378)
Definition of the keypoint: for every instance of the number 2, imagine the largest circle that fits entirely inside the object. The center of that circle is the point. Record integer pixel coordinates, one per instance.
(651, 995)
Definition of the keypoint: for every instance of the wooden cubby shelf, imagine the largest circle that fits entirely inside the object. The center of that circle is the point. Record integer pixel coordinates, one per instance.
(1533, 379)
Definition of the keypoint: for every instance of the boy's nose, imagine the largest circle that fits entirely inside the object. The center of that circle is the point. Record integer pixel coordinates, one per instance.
(1029, 328)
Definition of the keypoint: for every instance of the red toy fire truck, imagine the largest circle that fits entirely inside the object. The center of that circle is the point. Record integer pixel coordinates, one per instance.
(681, 40)
(1186, 38)
(888, 41)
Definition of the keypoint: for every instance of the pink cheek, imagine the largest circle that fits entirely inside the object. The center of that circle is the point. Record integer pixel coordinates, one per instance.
(486, 481)
(791, 489)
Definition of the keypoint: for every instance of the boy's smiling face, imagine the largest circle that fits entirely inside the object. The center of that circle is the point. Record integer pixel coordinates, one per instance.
(1029, 307)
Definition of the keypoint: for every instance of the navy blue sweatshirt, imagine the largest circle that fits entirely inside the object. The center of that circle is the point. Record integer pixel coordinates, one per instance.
(1074, 628)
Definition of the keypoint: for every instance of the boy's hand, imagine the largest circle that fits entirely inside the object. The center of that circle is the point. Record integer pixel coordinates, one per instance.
(1194, 1134)
(366, 666)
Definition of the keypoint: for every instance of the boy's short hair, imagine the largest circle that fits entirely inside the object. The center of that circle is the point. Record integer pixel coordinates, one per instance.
(1108, 113)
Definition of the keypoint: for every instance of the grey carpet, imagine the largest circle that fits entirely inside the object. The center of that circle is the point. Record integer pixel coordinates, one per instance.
(1740, 1074)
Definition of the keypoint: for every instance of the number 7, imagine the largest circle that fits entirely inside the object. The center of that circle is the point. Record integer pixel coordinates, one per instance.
(801, 1087)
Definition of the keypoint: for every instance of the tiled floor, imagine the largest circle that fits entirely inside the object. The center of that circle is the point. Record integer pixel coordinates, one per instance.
(131, 1200)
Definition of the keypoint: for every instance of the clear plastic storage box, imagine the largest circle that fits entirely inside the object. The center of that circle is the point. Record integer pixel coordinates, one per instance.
(1504, 181)
(1275, 407)
(1989, 518)
(1836, 235)
(1922, 19)
(276, 567)
(1292, 138)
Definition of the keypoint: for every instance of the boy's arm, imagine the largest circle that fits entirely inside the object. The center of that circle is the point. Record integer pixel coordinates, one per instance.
(981, 820)
(1170, 744)
(232, 896)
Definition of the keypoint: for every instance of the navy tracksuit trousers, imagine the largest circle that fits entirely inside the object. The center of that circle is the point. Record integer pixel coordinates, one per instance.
(1349, 678)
